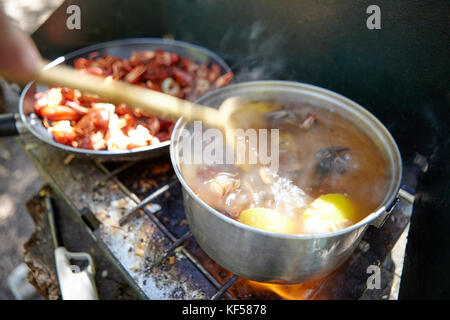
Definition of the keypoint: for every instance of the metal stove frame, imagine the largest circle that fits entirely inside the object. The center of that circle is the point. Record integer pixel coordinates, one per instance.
(110, 211)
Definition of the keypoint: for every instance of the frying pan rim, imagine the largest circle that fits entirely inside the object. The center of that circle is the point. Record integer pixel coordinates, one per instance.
(385, 205)
(103, 45)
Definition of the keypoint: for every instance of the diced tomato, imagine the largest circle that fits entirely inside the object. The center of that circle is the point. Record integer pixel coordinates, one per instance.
(58, 113)
(134, 75)
(91, 123)
(182, 77)
(82, 63)
(64, 137)
(96, 71)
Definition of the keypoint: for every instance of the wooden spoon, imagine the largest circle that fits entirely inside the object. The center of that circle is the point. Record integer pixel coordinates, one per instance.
(233, 113)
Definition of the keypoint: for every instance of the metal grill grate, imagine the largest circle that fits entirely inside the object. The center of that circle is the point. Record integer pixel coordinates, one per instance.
(113, 191)
(178, 242)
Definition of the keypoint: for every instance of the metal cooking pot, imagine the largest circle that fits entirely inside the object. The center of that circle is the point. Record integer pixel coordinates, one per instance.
(284, 258)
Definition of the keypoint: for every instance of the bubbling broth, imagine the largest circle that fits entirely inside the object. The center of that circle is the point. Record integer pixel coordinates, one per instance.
(330, 176)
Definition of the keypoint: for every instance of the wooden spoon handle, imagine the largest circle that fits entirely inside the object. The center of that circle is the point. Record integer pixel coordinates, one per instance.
(149, 101)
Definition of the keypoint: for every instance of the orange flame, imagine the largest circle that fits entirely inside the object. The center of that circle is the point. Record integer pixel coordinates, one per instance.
(301, 291)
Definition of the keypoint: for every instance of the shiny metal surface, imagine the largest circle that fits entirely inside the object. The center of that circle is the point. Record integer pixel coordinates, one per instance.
(283, 258)
(121, 48)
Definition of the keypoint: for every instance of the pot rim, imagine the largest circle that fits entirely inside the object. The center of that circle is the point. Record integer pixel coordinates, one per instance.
(383, 207)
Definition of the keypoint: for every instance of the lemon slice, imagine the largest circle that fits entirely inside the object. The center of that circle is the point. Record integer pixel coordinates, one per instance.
(268, 219)
(328, 213)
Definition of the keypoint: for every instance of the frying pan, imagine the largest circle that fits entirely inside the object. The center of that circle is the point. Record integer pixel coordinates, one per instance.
(120, 48)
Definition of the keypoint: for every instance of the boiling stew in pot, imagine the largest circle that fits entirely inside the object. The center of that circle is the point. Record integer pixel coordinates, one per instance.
(330, 176)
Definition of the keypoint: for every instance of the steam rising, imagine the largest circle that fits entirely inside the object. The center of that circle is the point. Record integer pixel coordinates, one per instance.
(259, 57)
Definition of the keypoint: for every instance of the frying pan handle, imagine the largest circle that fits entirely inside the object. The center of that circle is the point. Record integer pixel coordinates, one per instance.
(8, 125)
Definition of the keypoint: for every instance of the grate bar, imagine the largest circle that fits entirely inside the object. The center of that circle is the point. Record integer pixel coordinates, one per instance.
(130, 213)
(169, 234)
(172, 247)
(177, 243)
(225, 287)
(197, 263)
(101, 182)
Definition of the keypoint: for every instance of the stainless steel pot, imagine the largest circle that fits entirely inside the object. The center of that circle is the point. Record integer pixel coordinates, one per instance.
(284, 258)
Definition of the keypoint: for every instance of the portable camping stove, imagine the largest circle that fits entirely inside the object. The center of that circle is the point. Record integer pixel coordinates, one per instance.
(135, 212)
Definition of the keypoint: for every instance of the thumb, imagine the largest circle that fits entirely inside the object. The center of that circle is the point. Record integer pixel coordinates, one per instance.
(20, 60)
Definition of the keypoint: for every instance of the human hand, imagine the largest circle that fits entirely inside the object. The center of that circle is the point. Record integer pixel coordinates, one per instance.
(20, 60)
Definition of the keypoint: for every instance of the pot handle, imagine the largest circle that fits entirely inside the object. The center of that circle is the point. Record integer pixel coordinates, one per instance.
(8, 124)
(402, 194)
